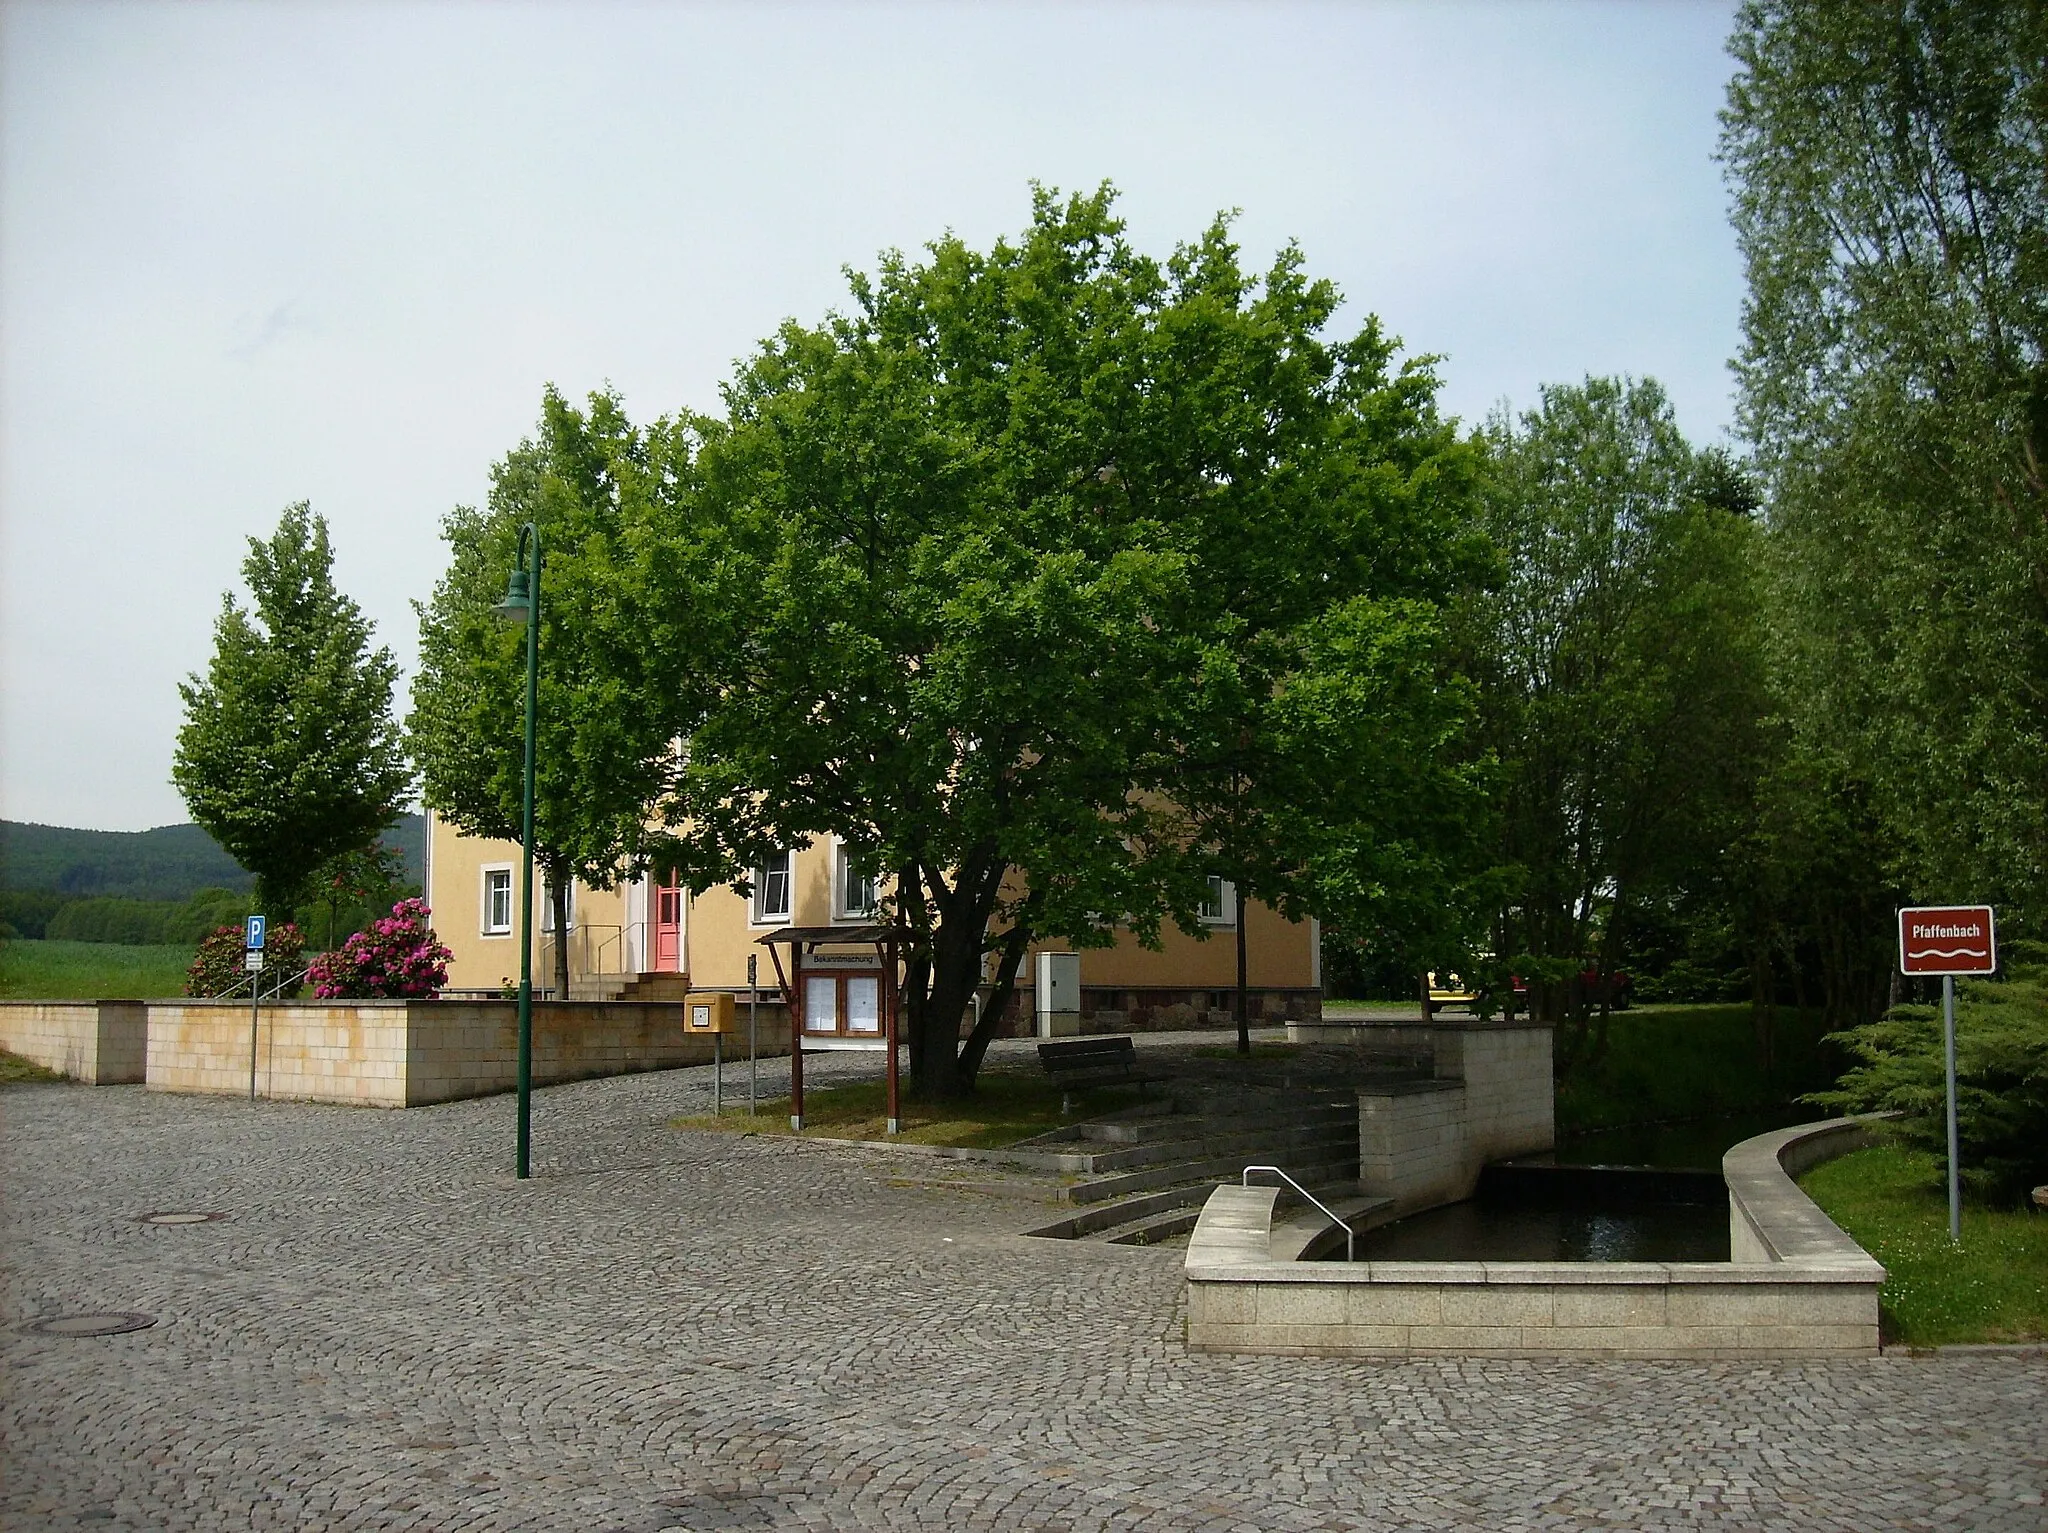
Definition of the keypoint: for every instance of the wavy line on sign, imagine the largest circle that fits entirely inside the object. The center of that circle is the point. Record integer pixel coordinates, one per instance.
(1948, 952)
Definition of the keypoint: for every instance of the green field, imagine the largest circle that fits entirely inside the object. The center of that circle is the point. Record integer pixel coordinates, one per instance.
(90, 971)
(1992, 1288)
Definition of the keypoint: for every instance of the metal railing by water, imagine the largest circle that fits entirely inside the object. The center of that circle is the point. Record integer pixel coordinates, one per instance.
(1350, 1238)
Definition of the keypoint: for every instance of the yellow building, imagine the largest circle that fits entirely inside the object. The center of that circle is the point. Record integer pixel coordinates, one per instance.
(648, 941)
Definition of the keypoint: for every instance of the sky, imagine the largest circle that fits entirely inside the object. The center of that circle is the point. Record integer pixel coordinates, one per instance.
(252, 254)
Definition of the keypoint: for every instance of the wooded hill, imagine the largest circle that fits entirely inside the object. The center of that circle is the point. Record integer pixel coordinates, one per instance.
(171, 862)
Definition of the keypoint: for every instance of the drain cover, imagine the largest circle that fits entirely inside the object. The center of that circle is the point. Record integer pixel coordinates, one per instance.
(181, 1218)
(92, 1325)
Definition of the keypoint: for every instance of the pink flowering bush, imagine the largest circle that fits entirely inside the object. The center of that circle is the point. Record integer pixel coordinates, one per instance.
(397, 959)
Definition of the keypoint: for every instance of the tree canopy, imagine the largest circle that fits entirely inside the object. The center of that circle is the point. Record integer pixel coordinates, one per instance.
(288, 756)
(1620, 669)
(584, 480)
(1054, 579)
(1890, 171)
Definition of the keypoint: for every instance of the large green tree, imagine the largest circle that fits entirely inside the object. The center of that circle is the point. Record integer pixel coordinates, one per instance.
(1621, 673)
(1030, 575)
(1890, 169)
(584, 479)
(289, 756)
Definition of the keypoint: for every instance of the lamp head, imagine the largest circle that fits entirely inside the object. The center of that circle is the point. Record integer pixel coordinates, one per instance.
(518, 602)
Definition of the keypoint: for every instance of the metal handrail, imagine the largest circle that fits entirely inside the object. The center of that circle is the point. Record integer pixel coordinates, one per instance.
(255, 978)
(1350, 1247)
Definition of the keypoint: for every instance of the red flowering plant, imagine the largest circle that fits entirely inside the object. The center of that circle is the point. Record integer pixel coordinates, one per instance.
(397, 959)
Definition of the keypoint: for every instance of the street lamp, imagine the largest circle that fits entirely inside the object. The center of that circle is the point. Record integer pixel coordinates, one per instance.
(522, 605)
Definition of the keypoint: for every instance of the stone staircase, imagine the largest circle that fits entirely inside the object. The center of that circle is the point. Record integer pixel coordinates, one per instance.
(1145, 1177)
(630, 987)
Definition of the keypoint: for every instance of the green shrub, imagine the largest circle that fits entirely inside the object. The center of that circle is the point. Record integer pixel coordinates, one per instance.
(135, 923)
(218, 966)
(29, 911)
(2001, 1076)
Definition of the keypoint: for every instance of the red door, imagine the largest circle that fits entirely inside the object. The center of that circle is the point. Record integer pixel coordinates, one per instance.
(668, 928)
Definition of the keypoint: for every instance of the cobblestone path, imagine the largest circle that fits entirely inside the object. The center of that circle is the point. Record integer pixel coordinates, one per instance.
(666, 1330)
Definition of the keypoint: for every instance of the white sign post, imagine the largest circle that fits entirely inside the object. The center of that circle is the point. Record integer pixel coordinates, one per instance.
(1949, 940)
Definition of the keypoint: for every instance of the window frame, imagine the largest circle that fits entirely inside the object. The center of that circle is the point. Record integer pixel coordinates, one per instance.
(758, 913)
(485, 874)
(1225, 907)
(842, 871)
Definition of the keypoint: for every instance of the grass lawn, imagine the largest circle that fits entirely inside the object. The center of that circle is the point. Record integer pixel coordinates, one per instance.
(1004, 1109)
(1259, 1051)
(1666, 1063)
(90, 971)
(14, 1068)
(1994, 1287)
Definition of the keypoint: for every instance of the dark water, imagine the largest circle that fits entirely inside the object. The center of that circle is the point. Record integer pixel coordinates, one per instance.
(1596, 1198)
(1491, 1230)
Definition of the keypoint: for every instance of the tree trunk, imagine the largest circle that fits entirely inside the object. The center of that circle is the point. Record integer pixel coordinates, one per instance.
(1244, 1027)
(558, 900)
(941, 1069)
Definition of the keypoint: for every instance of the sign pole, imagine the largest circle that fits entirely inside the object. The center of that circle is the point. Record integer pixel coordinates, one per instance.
(1948, 1044)
(255, 933)
(753, 1023)
(1949, 940)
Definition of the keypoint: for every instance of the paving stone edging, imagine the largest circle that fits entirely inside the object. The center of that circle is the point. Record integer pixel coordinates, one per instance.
(1798, 1288)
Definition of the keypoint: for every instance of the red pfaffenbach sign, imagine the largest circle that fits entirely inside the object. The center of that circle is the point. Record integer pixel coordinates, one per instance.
(1948, 939)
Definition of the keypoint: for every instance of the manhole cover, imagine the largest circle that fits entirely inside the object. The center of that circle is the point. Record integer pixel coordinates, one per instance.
(92, 1325)
(181, 1218)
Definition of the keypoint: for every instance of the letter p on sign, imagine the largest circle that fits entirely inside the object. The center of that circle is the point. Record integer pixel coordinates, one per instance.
(1948, 939)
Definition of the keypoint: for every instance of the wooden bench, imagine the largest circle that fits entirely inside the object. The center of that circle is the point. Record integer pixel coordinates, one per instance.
(1082, 1062)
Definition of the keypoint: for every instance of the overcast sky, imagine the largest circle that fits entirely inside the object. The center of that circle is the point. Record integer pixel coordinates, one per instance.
(258, 253)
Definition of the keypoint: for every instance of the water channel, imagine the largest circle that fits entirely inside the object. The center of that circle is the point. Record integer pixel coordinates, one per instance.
(1649, 1193)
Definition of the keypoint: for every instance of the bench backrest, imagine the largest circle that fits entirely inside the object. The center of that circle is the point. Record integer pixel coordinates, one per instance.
(1071, 1053)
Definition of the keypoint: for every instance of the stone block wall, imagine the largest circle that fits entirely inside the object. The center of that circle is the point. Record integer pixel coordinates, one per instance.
(412, 1053)
(98, 1042)
(1424, 1142)
(1798, 1286)
(310, 1051)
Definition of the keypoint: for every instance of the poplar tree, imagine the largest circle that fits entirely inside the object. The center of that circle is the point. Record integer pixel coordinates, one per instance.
(289, 756)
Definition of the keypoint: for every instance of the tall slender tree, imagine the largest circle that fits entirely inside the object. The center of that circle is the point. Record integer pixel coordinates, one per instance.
(1889, 163)
(1620, 671)
(289, 756)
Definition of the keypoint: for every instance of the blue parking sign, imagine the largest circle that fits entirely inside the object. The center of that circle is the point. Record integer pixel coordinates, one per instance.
(255, 936)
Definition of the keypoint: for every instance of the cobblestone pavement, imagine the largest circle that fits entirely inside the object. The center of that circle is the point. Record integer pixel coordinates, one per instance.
(668, 1330)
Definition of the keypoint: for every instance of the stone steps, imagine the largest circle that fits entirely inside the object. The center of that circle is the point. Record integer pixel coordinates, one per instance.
(1307, 1163)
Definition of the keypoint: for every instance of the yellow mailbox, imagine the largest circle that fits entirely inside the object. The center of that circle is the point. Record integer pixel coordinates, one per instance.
(708, 1012)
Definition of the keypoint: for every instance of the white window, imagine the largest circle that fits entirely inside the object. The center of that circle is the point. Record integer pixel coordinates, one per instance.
(771, 889)
(863, 1003)
(1219, 905)
(853, 889)
(547, 907)
(821, 1003)
(497, 904)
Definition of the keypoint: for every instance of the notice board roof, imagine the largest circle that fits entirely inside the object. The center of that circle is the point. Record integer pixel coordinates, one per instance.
(810, 936)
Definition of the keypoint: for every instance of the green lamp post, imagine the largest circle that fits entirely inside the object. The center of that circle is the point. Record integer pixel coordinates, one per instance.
(522, 605)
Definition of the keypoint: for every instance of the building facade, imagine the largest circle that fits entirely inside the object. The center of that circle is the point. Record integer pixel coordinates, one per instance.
(649, 941)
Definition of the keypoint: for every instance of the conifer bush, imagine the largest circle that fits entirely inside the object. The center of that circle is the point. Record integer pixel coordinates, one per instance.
(2001, 1076)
